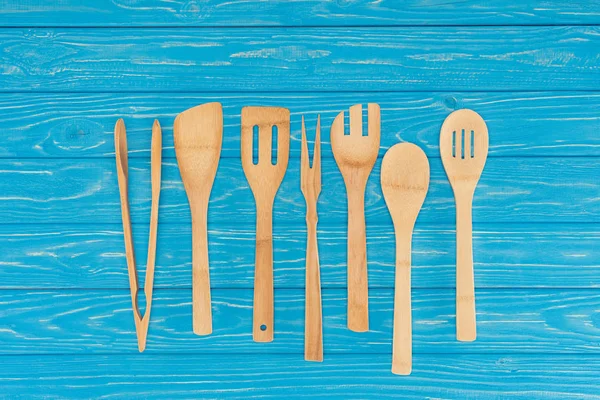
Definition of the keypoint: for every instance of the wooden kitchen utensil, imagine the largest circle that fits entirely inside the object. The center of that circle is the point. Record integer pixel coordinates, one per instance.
(141, 323)
(404, 182)
(464, 149)
(355, 156)
(310, 183)
(198, 134)
(264, 178)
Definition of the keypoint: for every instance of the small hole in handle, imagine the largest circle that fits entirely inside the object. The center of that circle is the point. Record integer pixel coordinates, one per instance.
(263, 327)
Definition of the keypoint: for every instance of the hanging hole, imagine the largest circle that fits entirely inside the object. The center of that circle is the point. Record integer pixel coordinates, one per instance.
(462, 144)
(453, 143)
(263, 327)
(472, 144)
(255, 144)
(274, 131)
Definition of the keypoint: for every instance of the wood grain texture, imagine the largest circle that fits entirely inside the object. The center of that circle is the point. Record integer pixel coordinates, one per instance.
(92, 257)
(300, 60)
(127, 13)
(93, 321)
(510, 190)
(148, 376)
(80, 125)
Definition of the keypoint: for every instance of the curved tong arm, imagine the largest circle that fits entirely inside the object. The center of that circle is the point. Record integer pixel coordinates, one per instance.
(141, 322)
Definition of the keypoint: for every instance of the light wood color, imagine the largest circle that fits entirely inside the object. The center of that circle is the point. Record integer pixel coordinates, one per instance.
(141, 322)
(464, 157)
(355, 156)
(310, 184)
(264, 179)
(198, 134)
(404, 182)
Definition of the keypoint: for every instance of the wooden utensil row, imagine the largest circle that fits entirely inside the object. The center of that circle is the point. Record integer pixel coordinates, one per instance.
(198, 136)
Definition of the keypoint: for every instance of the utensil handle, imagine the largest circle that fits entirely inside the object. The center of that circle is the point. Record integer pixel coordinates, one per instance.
(201, 305)
(465, 284)
(358, 290)
(402, 339)
(313, 330)
(263, 275)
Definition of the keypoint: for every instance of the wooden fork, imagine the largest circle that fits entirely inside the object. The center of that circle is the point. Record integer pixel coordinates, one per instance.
(310, 183)
(355, 156)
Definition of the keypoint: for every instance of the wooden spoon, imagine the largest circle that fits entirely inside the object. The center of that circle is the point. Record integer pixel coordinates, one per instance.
(464, 148)
(198, 134)
(355, 156)
(404, 182)
(264, 178)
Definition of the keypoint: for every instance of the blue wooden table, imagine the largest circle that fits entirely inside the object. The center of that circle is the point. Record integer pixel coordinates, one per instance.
(70, 68)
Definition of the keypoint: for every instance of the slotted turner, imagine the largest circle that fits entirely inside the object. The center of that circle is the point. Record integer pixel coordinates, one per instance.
(464, 148)
(264, 178)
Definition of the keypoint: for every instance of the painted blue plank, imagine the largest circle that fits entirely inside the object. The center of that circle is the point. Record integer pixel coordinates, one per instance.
(92, 256)
(300, 60)
(297, 13)
(353, 376)
(520, 124)
(92, 321)
(84, 191)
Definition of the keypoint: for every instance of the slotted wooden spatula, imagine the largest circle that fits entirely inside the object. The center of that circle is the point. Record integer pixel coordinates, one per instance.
(198, 134)
(404, 182)
(264, 178)
(464, 148)
(141, 322)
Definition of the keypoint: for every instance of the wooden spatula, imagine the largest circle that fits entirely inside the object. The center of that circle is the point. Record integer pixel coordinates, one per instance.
(198, 134)
(355, 156)
(264, 178)
(404, 182)
(310, 184)
(141, 323)
(464, 148)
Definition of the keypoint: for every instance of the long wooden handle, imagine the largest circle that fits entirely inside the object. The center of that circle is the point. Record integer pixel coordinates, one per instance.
(155, 168)
(313, 330)
(465, 283)
(358, 290)
(262, 330)
(201, 303)
(402, 340)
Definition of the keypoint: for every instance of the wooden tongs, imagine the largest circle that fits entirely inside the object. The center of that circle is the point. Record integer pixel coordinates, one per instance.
(141, 323)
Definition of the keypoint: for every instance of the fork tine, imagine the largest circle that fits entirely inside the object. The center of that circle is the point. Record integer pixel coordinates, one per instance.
(356, 128)
(317, 156)
(374, 122)
(304, 155)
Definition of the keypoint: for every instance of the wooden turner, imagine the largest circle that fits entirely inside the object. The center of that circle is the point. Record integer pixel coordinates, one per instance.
(404, 182)
(264, 178)
(464, 149)
(141, 323)
(198, 134)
